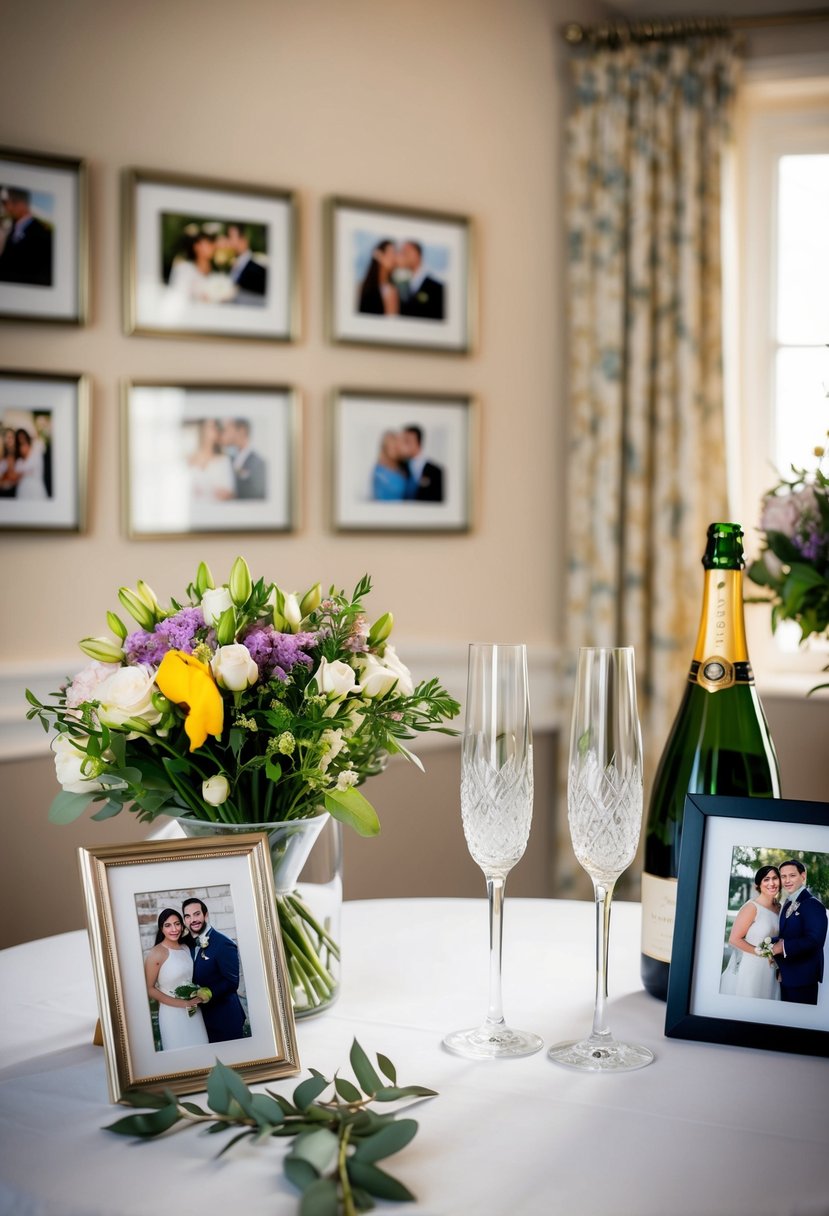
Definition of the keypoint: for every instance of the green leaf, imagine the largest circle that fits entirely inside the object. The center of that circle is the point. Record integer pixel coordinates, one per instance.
(318, 1148)
(308, 1091)
(273, 770)
(390, 1139)
(218, 1093)
(145, 1097)
(363, 1202)
(353, 809)
(266, 1112)
(364, 1070)
(377, 1182)
(392, 1092)
(108, 810)
(66, 807)
(320, 1199)
(387, 1068)
(300, 1172)
(146, 1125)
(347, 1091)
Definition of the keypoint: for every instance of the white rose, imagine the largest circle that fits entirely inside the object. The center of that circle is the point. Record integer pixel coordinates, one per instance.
(68, 762)
(333, 743)
(213, 603)
(375, 678)
(215, 790)
(337, 678)
(234, 668)
(405, 683)
(127, 693)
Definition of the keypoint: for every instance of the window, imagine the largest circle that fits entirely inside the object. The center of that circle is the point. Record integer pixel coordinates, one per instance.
(778, 308)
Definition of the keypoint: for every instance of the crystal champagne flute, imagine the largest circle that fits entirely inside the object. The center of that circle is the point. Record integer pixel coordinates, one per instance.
(604, 811)
(496, 808)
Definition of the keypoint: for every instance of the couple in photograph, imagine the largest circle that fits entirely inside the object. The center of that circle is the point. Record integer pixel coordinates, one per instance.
(196, 277)
(403, 472)
(399, 283)
(224, 464)
(25, 241)
(789, 967)
(188, 951)
(23, 465)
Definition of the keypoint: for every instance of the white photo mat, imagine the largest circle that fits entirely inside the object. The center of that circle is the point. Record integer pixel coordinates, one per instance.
(155, 308)
(359, 422)
(722, 834)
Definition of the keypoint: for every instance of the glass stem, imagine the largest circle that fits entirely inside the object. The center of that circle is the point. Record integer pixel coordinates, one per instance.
(603, 894)
(495, 897)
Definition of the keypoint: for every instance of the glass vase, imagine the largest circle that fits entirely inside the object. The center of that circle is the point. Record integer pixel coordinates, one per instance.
(306, 855)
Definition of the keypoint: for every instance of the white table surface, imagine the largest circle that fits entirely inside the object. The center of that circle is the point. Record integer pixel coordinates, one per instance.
(706, 1129)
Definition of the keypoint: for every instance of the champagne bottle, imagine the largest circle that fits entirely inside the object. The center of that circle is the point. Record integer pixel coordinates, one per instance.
(719, 744)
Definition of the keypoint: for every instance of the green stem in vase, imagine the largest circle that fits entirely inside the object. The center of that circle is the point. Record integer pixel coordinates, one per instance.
(304, 912)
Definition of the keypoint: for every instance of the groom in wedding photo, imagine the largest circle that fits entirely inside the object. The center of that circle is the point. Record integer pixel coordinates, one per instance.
(215, 966)
(798, 951)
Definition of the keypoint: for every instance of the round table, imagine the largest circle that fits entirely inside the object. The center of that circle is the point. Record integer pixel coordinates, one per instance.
(706, 1129)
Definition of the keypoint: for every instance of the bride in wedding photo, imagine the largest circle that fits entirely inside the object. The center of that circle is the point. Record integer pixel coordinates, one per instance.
(169, 965)
(749, 973)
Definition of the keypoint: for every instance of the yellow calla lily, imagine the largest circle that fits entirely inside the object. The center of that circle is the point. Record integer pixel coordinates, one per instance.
(189, 682)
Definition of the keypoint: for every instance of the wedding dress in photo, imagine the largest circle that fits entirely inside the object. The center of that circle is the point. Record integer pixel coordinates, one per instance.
(749, 974)
(176, 1026)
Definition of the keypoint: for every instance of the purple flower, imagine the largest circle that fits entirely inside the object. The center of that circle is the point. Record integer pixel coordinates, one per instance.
(178, 632)
(275, 654)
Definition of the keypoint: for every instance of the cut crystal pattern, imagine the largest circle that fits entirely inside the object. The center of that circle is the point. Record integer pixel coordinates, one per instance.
(604, 809)
(496, 808)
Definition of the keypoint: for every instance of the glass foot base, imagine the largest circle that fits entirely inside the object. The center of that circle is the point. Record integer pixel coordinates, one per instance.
(492, 1043)
(593, 1055)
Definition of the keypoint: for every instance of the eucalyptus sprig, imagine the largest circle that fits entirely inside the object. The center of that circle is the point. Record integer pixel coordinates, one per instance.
(339, 1139)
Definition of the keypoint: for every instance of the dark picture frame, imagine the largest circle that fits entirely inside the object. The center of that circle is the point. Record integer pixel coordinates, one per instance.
(126, 885)
(713, 828)
(399, 277)
(185, 464)
(209, 258)
(43, 478)
(401, 462)
(44, 249)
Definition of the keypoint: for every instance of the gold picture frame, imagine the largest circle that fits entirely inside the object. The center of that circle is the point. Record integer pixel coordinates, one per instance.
(44, 484)
(251, 481)
(48, 278)
(175, 286)
(429, 298)
(124, 885)
(431, 490)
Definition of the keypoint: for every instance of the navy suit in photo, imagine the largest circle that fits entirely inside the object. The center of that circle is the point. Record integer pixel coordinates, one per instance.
(216, 966)
(803, 933)
(251, 476)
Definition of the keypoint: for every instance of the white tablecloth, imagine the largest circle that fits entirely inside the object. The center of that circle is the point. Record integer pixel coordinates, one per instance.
(706, 1129)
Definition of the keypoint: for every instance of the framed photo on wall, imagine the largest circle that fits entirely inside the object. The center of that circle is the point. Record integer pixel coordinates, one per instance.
(399, 277)
(44, 424)
(401, 462)
(43, 238)
(209, 258)
(210, 458)
(752, 871)
(188, 961)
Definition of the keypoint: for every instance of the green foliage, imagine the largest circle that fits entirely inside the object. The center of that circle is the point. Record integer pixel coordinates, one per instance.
(336, 1143)
(282, 744)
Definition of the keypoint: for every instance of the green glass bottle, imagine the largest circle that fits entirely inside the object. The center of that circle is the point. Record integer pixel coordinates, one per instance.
(719, 744)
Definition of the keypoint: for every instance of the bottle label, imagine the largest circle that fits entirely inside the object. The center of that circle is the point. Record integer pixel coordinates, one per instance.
(658, 915)
(715, 673)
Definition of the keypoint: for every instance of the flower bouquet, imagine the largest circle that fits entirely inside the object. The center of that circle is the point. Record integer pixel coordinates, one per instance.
(794, 561)
(244, 705)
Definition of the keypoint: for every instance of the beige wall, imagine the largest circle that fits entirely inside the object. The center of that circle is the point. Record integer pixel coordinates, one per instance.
(454, 105)
(449, 106)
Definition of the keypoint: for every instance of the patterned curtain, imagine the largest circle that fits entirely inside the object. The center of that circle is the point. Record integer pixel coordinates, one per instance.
(646, 463)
